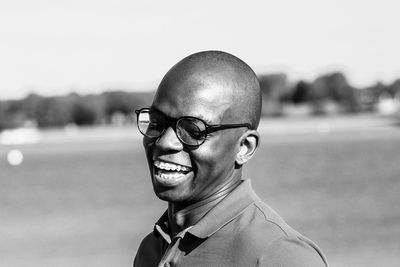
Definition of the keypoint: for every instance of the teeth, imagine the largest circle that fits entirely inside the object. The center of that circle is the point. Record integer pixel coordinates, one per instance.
(169, 179)
(170, 176)
(170, 166)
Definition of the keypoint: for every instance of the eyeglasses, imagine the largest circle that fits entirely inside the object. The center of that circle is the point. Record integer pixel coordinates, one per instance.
(191, 131)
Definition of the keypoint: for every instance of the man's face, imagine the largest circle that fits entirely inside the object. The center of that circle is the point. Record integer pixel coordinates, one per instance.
(185, 175)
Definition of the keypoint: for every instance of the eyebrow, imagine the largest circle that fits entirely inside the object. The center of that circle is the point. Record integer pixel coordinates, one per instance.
(204, 119)
(159, 111)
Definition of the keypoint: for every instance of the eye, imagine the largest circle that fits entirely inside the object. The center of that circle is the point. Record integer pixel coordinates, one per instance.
(192, 128)
(155, 123)
(196, 134)
(156, 120)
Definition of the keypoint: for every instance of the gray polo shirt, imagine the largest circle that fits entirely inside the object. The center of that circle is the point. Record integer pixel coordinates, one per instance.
(241, 230)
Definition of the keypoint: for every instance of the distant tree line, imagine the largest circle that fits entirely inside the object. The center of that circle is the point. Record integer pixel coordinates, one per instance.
(71, 109)
(326, 93)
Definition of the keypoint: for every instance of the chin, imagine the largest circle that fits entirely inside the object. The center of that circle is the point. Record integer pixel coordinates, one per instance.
(169, 194)
(171, 197)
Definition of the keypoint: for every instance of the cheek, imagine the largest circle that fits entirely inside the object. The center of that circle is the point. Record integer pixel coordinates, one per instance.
(215, 156)
(148, 148)
(148, 144)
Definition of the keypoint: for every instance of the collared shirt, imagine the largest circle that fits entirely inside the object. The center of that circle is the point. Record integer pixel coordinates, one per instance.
(240, 230)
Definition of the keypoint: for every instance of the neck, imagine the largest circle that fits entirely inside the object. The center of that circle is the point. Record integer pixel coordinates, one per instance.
(181, 217)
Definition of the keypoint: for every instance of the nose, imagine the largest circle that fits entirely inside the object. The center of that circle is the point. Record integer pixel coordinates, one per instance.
(169, 141)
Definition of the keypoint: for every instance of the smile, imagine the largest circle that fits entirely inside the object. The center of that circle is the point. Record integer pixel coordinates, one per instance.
(170, 174)
(170, 166)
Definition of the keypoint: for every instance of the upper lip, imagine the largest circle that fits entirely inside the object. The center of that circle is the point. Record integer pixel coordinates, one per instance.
(167, 165)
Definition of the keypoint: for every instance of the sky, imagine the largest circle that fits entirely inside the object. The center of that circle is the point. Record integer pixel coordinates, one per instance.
(53, 47)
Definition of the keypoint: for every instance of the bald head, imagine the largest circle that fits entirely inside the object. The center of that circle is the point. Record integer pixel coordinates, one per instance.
(215, 79)
(220, 90)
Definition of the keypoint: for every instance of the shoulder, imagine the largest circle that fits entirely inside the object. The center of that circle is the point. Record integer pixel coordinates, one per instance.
(148, 243)
(290, 251)
(261, 224)
(274, 243)
(149, 250)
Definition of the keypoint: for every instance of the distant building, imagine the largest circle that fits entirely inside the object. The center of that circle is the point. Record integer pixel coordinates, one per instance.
(388, 104)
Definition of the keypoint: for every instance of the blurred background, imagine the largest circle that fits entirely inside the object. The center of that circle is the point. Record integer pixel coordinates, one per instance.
(74, 185)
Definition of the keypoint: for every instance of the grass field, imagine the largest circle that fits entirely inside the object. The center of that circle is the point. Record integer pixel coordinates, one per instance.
(89, 202)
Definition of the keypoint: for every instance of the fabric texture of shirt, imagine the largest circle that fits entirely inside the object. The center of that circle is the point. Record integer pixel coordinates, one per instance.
(240, 230)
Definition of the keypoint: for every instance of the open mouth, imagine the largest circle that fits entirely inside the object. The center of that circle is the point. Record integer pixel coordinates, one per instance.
(169, 174)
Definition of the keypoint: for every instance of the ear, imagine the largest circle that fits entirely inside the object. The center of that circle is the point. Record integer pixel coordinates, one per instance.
(249, 142)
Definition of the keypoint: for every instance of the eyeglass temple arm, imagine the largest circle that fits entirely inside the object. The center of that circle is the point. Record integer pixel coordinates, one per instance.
(216, 127)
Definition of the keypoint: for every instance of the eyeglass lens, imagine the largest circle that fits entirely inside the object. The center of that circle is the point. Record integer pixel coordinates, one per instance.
(190, 131)
(149, 124)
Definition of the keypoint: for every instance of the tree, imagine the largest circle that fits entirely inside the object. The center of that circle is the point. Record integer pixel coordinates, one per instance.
(394, 88)
(333, 87)
(301, 92)
(125, 103)
(52, 112)
(273, 88)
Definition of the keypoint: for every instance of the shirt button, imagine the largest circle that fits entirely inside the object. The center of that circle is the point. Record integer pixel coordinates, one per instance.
(167, 264)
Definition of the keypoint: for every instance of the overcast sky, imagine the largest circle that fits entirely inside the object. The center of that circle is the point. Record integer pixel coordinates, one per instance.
(54, 47)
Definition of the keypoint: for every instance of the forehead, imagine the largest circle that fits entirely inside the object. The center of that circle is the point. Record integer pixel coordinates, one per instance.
(201, 98)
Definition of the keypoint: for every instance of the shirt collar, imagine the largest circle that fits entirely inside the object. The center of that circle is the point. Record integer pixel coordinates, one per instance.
(161, 228)
(224, 212)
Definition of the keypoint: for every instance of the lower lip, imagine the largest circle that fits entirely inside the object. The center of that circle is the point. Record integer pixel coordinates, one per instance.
(170, 178)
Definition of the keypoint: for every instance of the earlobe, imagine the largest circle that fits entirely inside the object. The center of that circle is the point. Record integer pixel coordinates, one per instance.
(248, 147)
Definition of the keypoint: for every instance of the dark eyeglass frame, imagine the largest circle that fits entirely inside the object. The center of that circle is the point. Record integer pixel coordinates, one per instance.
(173, 122)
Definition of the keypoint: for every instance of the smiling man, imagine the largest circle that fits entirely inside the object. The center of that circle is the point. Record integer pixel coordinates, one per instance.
(198, 133)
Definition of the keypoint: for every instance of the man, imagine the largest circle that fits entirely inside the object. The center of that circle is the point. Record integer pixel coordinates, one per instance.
(198, 133)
